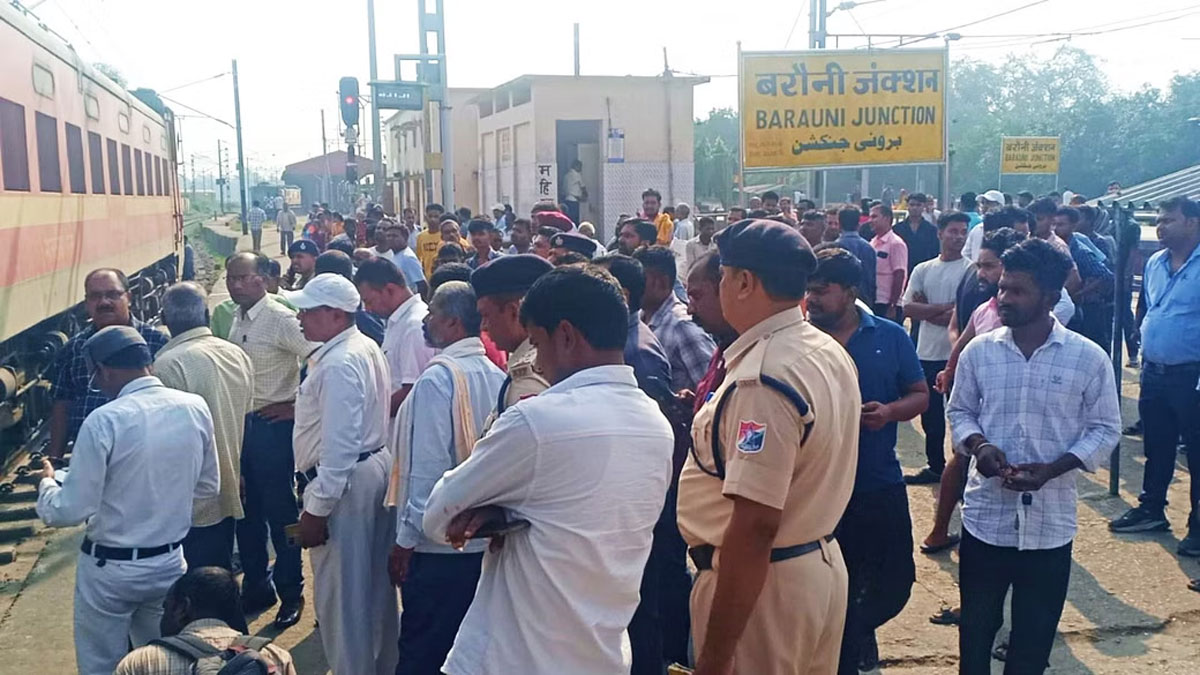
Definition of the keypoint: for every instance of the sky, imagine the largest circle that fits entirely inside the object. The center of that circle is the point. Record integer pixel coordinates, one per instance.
(291, 53)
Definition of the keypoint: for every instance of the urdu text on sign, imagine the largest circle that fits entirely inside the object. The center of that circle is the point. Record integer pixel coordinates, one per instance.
(1029, 154)
(820, 109)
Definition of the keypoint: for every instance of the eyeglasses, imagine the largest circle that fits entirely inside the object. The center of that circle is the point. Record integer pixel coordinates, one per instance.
(97, 296)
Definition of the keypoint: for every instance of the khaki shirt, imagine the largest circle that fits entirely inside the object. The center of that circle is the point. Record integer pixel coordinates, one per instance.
(767, 460)
(525, 379)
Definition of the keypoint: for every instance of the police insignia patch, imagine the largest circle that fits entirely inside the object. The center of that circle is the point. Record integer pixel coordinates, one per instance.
(751, 435)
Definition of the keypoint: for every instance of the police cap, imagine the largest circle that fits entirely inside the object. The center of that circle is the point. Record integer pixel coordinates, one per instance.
(765, 247)
(304, 246)
(574, 242)
(118, 347)
(509, 274)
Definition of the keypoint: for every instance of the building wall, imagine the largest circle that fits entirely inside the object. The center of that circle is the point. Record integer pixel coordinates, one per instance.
(411, 133)
(637, 106)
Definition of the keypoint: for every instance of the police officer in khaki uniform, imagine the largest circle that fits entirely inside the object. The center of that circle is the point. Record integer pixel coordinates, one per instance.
(775, 448)
(499, 287)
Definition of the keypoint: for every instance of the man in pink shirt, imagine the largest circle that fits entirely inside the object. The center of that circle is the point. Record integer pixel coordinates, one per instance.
(891, 263)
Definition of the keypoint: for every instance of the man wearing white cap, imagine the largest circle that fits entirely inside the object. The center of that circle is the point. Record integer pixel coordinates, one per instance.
(341, 421)
(139, 462)
(992, 200)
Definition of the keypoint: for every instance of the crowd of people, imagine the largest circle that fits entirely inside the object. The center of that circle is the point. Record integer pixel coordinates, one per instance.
(524, 435)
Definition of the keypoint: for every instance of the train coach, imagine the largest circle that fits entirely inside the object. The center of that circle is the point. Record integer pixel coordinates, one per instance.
(88, 178)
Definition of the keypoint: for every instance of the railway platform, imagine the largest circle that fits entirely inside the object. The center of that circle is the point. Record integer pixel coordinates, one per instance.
(1127, 611)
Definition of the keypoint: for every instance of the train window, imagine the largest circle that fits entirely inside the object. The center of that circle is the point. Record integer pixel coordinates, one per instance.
(114, 168)
(127, 168)
(96, 161)
(158, 176)
(166, 177)
(141, 177)
(145, 133)
(91, 106)
(149, 174)
(123, 122)
(75, 172)
(43, 81)
(14, 154)
(49, 171)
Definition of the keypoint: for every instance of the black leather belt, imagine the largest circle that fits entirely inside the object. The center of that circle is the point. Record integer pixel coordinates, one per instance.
(702, 556)
(1164, 369)
(105, 553)
(306, 477)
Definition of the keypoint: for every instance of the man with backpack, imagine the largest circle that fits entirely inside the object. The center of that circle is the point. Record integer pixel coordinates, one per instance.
(203, 634)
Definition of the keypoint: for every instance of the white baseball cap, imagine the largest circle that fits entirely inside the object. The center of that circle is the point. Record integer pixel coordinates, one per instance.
(327, 290)
(497, 207)
(994, 196)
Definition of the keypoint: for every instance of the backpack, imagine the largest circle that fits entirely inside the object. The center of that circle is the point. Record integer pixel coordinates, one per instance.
(241, 657)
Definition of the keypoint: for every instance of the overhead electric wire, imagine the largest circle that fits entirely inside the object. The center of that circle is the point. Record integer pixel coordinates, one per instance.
(183, 86)
(198, 112)
(935, 34)
(1042, 38)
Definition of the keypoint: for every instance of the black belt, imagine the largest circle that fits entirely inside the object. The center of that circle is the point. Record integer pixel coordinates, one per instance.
(702, 556)
(1164, 369)
(106, 553)
(309, 476)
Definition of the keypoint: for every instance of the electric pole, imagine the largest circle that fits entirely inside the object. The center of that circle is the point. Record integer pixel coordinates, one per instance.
(377, 191)
(435, 23)
(193, 177)
(221, 176)
(241, 165)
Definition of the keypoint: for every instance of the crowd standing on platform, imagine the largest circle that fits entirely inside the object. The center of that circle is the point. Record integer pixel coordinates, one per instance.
(561, 454)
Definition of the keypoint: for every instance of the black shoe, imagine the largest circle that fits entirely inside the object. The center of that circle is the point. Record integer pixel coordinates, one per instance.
(926, 476)
(254, 603)
(1190, 546)
(868, 657)
(1141, 519)
(289, 613)
(1134, 429)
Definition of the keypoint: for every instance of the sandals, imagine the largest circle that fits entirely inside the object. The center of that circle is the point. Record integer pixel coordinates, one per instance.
(950, 543)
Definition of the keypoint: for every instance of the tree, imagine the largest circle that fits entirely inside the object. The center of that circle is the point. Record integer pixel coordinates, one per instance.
(111, 72)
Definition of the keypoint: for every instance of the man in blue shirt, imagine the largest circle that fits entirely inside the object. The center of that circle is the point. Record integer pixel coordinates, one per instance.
(1094, 301)
(875, 532)
(107, 301)
(1169, 402)
(853, 242)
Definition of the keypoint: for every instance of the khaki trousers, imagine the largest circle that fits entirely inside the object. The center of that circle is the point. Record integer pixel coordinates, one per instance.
(796, 626)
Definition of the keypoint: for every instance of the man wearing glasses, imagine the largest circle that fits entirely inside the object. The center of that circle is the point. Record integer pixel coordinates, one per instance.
(106, 299)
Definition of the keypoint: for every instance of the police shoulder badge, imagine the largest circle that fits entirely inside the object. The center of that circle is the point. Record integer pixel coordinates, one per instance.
(751, 435)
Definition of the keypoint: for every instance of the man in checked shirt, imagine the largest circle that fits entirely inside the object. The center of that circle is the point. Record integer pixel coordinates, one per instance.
(1032, 403)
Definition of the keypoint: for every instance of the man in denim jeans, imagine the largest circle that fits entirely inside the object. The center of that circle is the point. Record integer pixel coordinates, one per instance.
(1169, 400)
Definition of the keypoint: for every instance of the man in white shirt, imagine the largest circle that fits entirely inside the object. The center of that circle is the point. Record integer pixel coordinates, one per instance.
(701, 244)
(221, 373)
(573, 190)
(587, 462)
(285, 220)
(271, 336)
(139, 463)
(930, 298)
(684, 230)
(435, 431)
(341, 429)
(384, 293)
(1032, 403)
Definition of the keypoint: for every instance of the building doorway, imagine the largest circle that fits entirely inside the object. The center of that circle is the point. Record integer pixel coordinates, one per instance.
(579, 141)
